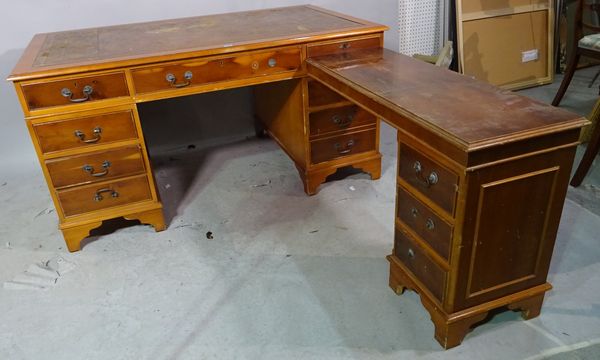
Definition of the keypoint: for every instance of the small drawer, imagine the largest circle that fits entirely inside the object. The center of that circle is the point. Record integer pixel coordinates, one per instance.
(75, 90)
(431, 179)
(424, 269)
(94, 167)
(89, 198)
(339, 119)
(205, 71)
(319, 94)
(85, 131)
(424, 222)
(335, 147)
(343, 46)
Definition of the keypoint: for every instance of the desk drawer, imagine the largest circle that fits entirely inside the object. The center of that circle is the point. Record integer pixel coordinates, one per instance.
(345, 145)
(424, 269)
(94, 197)
(339, 119)
(428, 177)
(205, 71)
(96, 167)
(85, 131)
(343, 46)
(319, 94)
(424, 222)
(74, 90)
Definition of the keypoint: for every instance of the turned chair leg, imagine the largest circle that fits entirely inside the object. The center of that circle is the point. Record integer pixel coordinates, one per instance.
(571, 66)
(588, 157)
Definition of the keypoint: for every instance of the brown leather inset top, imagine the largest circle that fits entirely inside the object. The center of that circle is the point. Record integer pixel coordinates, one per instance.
(469, 113)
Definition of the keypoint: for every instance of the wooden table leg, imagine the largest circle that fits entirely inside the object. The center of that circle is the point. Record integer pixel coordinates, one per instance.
(589, 155)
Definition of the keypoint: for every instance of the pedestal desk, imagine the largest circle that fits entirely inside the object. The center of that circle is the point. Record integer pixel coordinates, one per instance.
(482, 173)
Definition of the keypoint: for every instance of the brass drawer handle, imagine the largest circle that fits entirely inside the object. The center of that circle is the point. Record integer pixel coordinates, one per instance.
(414, 212)
(428, 181)
(345, 46)
(90, 169)
(87, 93)
(172, 80)
(430, 225)
(98, 197)
(97, 133)
(272, 62)
(348, 150)
(342, 122)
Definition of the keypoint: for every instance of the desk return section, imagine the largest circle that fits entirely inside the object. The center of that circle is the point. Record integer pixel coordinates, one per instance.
(481, 181)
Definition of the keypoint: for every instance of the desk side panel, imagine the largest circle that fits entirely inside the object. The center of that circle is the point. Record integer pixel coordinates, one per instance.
(511, 217)
(279, 106)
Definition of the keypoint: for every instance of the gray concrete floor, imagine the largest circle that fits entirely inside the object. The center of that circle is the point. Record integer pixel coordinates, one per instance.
(284, 275)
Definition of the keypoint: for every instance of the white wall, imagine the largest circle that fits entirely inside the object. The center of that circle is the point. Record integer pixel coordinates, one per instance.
(23, 18)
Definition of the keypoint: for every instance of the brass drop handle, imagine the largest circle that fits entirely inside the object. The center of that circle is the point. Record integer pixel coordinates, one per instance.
(172, 80)
(428, 181)
(90, 169)
(342, 122)
(430, 225)
(414, 212)
(87, 93)
(348, 148)
(97, 133)
(98, 197)
(345, 46)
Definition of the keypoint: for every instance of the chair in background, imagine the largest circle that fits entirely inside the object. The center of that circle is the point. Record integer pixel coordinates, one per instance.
(592, 150)
(588, 45)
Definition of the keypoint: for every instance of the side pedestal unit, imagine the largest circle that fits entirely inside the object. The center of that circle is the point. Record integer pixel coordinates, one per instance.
(474, 237)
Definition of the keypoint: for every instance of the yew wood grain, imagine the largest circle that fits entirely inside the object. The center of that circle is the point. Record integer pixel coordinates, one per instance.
(52, 54)
(40, 95)
(320, 95)
(344, 46)
(72, 170)
(205, 71)
(81, 200)
(342, 119)
(61, 134)
(344, 145)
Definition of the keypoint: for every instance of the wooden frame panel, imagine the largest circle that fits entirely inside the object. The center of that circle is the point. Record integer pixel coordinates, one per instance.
(489, 34)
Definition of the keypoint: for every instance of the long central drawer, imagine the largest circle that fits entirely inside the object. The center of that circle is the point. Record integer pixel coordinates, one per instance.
(204, 71)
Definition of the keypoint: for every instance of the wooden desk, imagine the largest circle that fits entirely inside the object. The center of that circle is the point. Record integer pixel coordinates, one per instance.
(482, 173)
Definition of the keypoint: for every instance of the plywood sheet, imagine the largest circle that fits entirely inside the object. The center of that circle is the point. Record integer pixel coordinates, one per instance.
(483, 6)
(492, 48)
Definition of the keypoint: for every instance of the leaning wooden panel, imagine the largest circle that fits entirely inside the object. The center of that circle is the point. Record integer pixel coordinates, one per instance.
(496, 41)
(492, 7)
(493, 49)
